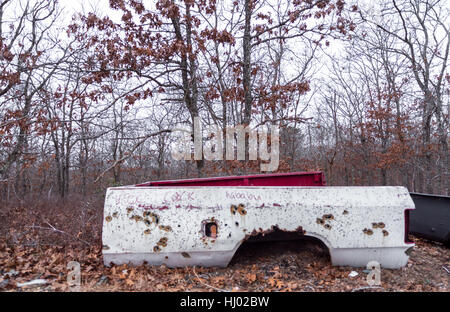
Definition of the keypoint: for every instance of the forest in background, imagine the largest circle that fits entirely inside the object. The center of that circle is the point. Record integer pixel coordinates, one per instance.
(360, 91)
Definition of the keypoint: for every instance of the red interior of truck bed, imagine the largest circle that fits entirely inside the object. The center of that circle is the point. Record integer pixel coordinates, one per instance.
(314, 178)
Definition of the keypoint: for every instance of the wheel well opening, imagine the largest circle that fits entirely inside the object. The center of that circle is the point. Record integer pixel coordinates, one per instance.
(278, 245)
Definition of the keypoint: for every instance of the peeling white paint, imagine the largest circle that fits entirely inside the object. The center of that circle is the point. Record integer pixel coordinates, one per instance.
(167, 224)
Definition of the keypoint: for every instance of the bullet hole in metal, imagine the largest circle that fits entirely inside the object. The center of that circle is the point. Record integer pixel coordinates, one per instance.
(328, 217)
(185, 255)
(108, 218)
(327, 226)
(156, 249)
(320, 221)
(241, 210)
(154, 217)
(165, 228)
(147, 231)
(162, 242)
(237, 223)
(166, 257)
(147, 222)
(385, 233)
(210, 229)
(379, 225)
(115, 214)
(368, 231)
(130, 209)
(233, 209)
(136, 218)
(345, 212)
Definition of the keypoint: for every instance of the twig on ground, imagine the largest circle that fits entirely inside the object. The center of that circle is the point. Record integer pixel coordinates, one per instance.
(215, 288)
(367, 287)
(52, 228)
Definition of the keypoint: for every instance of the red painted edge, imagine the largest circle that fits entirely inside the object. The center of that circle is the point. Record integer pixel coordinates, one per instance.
(407, 240)
(318, 179)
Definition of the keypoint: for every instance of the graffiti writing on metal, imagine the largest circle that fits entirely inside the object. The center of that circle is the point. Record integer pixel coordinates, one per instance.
(240, 195)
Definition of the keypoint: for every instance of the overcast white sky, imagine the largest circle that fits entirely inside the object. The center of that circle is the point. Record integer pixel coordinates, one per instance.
(72, 6)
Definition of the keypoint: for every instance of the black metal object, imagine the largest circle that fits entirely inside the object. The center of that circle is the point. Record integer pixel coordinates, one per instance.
(431, 218)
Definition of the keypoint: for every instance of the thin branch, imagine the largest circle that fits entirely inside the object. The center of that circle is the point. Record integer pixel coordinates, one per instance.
(199, 280)
(121, 160)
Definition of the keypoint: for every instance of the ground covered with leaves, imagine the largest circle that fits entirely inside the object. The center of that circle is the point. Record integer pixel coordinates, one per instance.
(37, 246)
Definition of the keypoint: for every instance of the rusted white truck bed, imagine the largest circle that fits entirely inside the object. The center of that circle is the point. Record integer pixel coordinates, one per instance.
(204, 226)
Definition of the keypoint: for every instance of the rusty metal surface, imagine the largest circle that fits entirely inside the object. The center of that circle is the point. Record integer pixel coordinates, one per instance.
(184, 226)
(431, 218)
